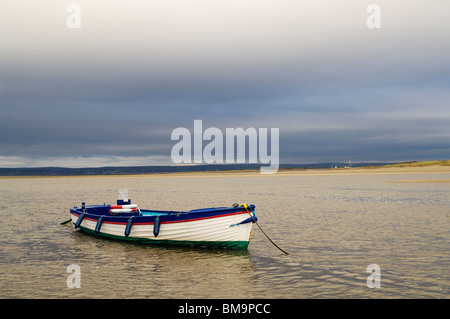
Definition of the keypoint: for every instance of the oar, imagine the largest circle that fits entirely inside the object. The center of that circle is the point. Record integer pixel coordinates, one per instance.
(250, 212)
(67, 221)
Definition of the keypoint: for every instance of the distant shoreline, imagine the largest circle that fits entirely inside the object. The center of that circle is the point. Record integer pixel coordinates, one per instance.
(403, 168)
(137, 170)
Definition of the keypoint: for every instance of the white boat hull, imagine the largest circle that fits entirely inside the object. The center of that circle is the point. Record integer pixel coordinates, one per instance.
(217, 231)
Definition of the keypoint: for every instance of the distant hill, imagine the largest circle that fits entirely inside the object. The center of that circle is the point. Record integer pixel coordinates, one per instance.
(421, 164)
(133, 170)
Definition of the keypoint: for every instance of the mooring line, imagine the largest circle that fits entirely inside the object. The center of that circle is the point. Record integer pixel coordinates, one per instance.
(250, 212)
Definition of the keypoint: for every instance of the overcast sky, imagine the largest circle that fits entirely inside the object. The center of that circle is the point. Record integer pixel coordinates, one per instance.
(111, 92)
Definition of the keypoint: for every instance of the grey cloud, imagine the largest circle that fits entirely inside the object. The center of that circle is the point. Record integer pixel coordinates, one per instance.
(334, 88)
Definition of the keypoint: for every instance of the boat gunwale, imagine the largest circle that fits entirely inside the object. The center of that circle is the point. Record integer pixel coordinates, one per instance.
(165, 216)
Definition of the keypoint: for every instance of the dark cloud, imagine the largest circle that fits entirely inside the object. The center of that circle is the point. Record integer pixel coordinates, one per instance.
(335, 89)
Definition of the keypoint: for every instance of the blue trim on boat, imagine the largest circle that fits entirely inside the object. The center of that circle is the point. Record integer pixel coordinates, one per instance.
(79, 220)
(99, 224)
(157, 226)
(128, 227)
(251, 219)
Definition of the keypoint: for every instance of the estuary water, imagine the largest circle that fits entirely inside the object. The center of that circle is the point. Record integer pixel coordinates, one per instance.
(333, 226)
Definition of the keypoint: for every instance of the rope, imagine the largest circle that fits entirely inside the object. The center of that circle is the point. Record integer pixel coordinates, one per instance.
(254, 220)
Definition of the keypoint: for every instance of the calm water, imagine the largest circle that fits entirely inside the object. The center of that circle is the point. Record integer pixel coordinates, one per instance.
(332, 226)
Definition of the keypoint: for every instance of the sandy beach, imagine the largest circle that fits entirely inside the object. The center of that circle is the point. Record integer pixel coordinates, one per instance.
(370, 171)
